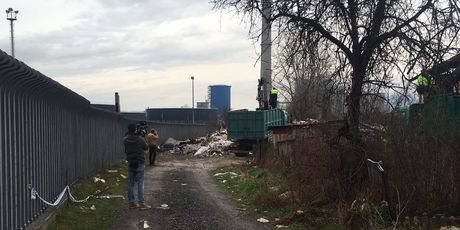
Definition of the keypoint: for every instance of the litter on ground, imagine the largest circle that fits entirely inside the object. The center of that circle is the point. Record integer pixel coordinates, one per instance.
(226, 173)
(164, 206)
(146, 224)
(263, 220)
(99, 179)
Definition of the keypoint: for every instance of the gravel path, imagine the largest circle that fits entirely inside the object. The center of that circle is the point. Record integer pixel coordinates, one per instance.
(193, 198)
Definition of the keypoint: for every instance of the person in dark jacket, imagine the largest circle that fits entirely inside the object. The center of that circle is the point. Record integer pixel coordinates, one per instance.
(134, 150)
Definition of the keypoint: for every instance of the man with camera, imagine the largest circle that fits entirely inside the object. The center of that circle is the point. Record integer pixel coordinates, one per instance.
(135, 146)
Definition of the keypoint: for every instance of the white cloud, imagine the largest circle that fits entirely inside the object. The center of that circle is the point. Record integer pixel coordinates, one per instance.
(144, 49)
(167, 88)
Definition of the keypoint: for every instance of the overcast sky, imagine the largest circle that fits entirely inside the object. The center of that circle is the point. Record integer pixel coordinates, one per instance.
(146, 50)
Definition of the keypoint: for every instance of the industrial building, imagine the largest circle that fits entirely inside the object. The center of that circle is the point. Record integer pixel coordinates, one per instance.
(207, 112)
(111, 108)
(220, 97)
(183, 115)
(203, 105)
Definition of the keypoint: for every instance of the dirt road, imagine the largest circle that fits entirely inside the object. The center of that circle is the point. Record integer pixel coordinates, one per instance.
(193, 198)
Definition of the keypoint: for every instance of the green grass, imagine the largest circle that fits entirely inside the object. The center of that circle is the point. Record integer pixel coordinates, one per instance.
(79, 215)
(257, 190)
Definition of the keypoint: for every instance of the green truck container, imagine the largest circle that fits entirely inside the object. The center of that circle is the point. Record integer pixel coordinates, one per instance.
(440, 115)
(243, 124)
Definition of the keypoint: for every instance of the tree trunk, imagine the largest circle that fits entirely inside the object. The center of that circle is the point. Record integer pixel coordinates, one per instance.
(353, 106)
(352, 169)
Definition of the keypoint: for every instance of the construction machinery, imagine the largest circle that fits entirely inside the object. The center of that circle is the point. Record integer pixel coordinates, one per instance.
(439, 114)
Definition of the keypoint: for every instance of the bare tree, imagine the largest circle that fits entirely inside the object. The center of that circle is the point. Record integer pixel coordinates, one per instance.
(378, 40)
(375, 45)
(307, 79)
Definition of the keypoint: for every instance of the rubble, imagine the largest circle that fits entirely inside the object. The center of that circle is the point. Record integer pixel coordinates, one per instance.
(307, 121)
(170, 144)
(449, 228)
(213, 145)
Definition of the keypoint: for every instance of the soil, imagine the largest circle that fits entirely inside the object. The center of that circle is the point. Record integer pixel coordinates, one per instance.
(194, 200)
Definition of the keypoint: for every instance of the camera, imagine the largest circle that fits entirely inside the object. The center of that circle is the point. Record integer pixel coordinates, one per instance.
(141, 128)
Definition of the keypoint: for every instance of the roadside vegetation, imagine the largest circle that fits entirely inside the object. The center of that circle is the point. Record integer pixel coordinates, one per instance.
(390, 162)
(267, 195)
(95, 213)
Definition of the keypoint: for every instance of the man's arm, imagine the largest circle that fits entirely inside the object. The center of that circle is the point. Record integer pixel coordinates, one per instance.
(143, 143)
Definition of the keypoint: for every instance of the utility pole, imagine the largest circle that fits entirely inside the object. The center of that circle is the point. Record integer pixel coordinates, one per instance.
(11, 16)
(193, 100)
(117, 102)
(265, 82)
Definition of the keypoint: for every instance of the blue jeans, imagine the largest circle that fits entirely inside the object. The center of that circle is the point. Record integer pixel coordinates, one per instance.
(136, 175)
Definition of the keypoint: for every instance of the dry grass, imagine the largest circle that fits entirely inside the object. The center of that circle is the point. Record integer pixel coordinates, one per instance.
(422, 173)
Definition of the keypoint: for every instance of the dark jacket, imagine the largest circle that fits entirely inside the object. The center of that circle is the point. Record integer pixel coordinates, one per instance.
(134, 147)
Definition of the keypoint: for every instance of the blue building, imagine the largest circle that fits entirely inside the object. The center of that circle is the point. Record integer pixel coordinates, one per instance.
(220, 97)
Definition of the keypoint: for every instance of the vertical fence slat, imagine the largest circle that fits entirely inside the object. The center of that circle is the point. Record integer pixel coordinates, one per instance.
(8, 161)
(2, 158)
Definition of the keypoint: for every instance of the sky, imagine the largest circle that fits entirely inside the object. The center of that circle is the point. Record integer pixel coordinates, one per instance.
(146, 50)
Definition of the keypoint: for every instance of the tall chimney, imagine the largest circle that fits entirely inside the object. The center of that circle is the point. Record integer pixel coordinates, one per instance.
(266, 53)
(117, 102)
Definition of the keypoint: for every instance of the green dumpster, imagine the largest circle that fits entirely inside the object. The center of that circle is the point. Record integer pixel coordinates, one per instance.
(243, 124)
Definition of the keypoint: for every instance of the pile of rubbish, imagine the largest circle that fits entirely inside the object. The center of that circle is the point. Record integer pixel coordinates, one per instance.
(214, 144)
(307, 121)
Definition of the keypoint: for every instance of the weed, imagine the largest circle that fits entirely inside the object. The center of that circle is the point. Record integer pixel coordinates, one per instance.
(261, 191)
(83, 215)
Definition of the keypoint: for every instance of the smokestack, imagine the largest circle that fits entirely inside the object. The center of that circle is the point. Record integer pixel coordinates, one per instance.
(117, 102)
(266, 53)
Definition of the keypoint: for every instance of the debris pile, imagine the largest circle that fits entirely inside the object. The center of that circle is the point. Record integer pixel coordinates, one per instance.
(215, 144)
(307, 121)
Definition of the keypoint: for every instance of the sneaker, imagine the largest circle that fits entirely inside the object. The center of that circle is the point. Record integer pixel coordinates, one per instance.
(134, 206)
(145, 207)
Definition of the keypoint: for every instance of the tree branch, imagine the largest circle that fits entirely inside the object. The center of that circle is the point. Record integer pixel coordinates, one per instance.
(395, 30)
(317, 27)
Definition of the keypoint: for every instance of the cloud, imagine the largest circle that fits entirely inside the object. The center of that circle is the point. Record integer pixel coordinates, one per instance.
(144, 49)
(167, 88)
(146, 40)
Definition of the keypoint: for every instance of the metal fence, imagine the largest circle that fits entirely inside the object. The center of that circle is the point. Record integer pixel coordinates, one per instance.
(50, 137)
